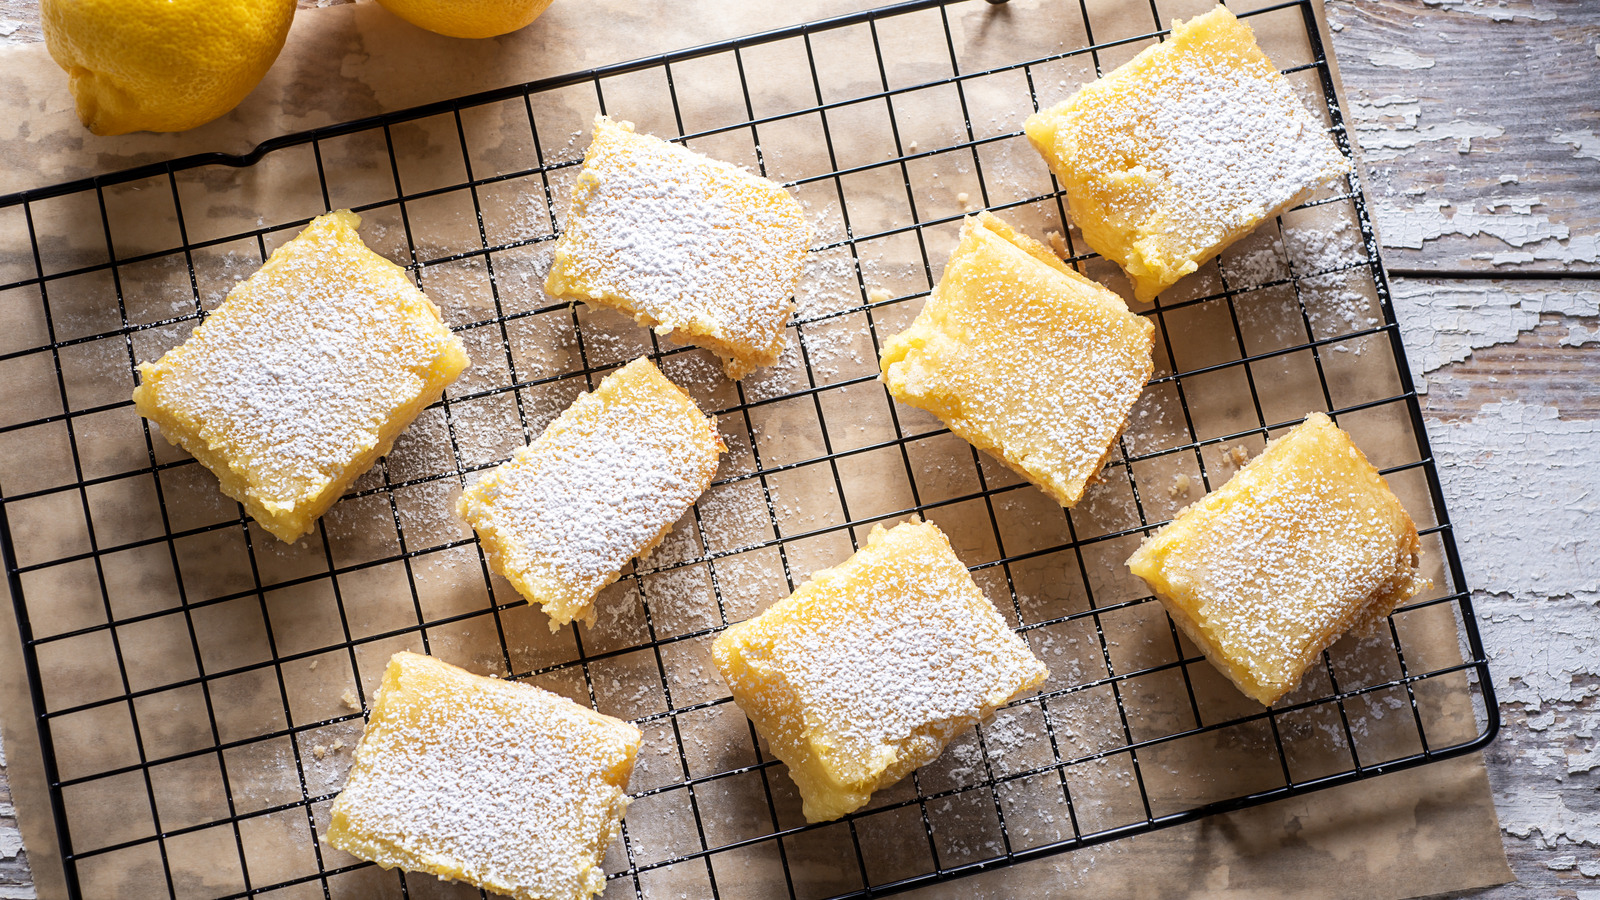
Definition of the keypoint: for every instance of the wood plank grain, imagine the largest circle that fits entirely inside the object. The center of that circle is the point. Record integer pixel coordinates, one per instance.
(1478, 121)
(1538, 768)
(16, 881)
(1537, 368)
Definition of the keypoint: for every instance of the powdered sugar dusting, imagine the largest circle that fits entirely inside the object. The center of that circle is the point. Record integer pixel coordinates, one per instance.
(1268, 565)
(1299, 546)
(512, 787)
(296, 375)
(1181, 151)
(1230, 144)
(902, 671)
(597, 488)
(1023, 360)
(693, 246)
(1258, 264)
(1323, 249)
(886, 654)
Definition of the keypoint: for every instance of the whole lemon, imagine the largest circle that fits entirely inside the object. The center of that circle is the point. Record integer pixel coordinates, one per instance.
(468, 18)
(162, 65)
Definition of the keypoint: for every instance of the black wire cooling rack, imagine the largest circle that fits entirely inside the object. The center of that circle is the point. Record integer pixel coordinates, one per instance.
(197, 686)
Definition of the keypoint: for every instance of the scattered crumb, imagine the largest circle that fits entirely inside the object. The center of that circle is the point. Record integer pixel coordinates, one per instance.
(911, 147)
(1057, 243)
(1181, 484)
(878, 295)
(314, 663)
(1236, 456)
(319, 751)
(350, 701)
(338, 745)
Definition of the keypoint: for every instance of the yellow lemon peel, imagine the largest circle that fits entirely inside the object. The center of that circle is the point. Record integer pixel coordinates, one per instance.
(162, 65)
(468, 18)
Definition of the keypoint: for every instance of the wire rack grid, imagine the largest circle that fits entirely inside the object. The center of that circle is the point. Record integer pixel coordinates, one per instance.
(207, 683)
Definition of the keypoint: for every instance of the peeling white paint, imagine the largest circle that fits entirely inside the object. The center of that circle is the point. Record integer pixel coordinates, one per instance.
(1583, 762)
(1407, 109)
(1533, 234)
(1541, 650)
(1585, 144)
(1582, 248)
(1413, 226)
(1444, 325)
(1521, 206)
(1550, 817)
(1534, 474)
(1540, 723)
(1399, 58)
(1388, 125)
(1577, 336)
(1523, 489)
(10, 843)
(1498, 10)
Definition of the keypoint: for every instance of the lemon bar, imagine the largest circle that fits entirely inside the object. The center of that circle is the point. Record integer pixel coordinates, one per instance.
(1183, 150)
(503, 785)
(690, 246)
(1024, 358)
(868, 670)
(1305, 543)
(303, 376)
(603, 484)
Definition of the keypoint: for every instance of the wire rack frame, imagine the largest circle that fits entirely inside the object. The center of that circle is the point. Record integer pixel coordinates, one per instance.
(1470, 674)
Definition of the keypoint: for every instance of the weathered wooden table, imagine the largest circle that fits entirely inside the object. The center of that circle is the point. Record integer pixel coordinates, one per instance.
(1480, 122)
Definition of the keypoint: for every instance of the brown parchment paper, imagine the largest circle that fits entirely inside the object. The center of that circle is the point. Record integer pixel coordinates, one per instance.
(1425, 831)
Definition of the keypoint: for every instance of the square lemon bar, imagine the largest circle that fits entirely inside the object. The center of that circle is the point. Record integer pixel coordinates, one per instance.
(503, 785)
(1024, 358)
(1183, 150)
(868, 670)
(303, 376)
(1305, 543)
(688, 245)
(603, 484)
